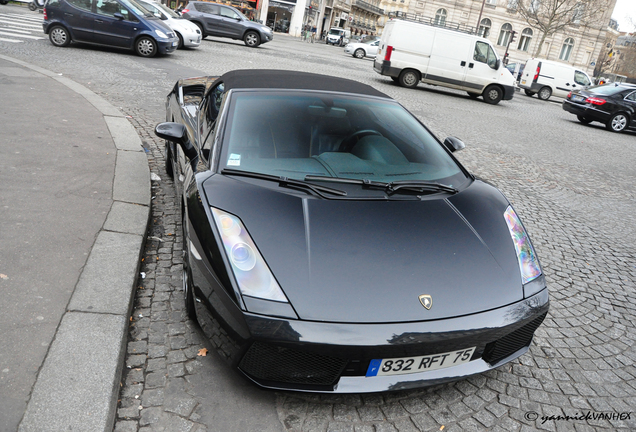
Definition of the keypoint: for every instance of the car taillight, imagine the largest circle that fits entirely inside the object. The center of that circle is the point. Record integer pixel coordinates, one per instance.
(185, 11)
(44, 12)
(569, 95)
(595, 101)
(389, 51)
(536, 75)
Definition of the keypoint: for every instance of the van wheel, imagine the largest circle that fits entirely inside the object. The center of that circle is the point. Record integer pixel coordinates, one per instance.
(618, 122)
(409, 78)
(545, 93)
(529, 93)
(583, 119)
(492, 94)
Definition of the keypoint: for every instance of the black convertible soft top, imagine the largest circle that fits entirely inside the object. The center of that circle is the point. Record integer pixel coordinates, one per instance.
(284, 79)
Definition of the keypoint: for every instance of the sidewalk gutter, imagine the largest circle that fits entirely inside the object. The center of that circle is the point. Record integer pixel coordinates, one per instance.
(78, 384)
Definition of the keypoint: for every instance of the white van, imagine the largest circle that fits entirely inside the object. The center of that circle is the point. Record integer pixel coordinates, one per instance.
(338, 36)
(547, 78)
(412, 50)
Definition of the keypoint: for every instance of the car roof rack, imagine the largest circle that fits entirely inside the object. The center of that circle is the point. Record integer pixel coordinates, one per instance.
(463, 28)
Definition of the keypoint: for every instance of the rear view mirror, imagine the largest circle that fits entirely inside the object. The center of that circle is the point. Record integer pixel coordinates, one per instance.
(323, 111)
(454, 144)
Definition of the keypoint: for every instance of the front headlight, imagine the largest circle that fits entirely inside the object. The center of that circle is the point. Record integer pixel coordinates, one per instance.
(528, 262)
(161, 34)
(252, 274)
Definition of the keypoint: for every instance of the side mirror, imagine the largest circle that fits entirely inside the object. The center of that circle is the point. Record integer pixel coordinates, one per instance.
(176, 133)
(119, 16)
(497, 64)
(454, 144)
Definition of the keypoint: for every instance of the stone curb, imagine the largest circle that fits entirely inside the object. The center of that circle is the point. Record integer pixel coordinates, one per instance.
(78, 384)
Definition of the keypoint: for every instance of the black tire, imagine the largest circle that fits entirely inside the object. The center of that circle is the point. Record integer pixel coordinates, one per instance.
(359, 53)
(544, 93)
(4, 2)
(168, 161)
(59, 36)
(529, 93)
(618, 122)
(409, 78)
(32, 6)
(493, 94)
(146, 46)
(252, 39)
(180, 44)
(473, 95)
(583, 119)
(203, 35)
(187, 276)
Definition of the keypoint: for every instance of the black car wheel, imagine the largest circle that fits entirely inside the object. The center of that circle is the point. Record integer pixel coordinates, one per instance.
(493, 94)
(618, 122)
(187, 280)
(4, 2)
(359, 53)
(168, 162)
(544, 93)
(180, 45)
(583, 119)
(59, 36)
(32, 6)
(529, 93)
(409, 78)
(252, 39)
(146, 46)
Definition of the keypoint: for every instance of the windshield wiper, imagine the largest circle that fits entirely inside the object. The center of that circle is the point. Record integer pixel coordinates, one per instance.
(392, 187)
(286, 182)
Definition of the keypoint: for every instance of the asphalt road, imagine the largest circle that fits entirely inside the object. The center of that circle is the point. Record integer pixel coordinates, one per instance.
(572, 185)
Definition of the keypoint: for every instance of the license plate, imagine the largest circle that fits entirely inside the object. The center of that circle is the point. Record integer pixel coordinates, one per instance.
(407, 365)
(578, 98)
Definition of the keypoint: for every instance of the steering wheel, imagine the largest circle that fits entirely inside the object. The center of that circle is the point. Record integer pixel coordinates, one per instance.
(351, 140)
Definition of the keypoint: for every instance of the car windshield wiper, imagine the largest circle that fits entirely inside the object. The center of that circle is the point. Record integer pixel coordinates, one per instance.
(286, 182)
(392, 187)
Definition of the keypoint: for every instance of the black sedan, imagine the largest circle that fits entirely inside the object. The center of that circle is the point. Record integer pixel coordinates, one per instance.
(333, 244)
(612, 104)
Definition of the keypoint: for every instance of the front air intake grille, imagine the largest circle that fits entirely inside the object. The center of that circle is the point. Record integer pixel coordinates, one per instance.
(512, 342)
(278, 364)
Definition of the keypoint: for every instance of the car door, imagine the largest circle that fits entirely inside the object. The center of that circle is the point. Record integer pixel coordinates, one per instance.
(372, 50)
(210, 17)
(112, 30)
(629, 103)
(80, 18)
(230, 24)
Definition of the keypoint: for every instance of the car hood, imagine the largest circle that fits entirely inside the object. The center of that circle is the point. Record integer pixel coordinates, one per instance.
(182, 25)
(369, 261)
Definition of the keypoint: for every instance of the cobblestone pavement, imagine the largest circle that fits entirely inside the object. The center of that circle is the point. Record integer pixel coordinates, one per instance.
(571, 184)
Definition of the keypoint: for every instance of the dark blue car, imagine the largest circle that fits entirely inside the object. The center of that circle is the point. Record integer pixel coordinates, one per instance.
(115, 23)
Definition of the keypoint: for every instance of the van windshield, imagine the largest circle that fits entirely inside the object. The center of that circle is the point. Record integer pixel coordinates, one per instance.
(335, 32)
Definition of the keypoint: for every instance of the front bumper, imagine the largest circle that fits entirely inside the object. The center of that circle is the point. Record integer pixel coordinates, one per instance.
(191, 40)
(167, 46)
(509, 92)
(334, 357)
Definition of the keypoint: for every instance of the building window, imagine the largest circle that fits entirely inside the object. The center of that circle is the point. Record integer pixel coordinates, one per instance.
(440, 17)
(491, 2)
(534, 6)
(524, 41)
(512, 4)
(504, 34)
(578, 13)
(484, 27)
(566, 49)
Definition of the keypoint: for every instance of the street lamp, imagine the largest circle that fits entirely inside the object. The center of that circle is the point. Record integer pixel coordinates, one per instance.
(481, 11)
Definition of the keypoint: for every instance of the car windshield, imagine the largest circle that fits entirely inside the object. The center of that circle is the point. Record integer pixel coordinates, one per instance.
(335, 32)
(137, 8)
(296, 134)
(156, 7)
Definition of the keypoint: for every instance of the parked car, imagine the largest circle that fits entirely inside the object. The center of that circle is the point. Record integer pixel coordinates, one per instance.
(612, 104)
(547, 78)
(363, 49)
(214, 19)
(188, 33)
(413, 50)
(116, 23)
(333, 244)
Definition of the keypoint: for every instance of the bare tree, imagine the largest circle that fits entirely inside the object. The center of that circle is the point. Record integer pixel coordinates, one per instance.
(554, 16)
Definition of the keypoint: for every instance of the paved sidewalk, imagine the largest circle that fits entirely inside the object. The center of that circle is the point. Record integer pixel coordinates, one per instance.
(74, 209)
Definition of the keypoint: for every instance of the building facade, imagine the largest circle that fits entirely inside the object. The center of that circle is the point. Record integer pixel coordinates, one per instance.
(578, 45)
